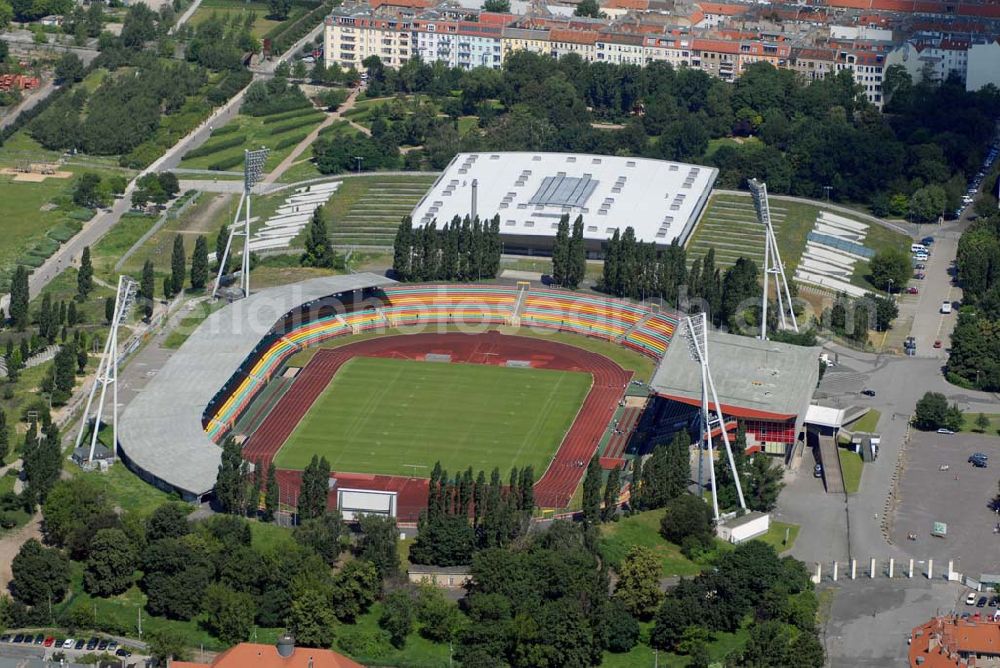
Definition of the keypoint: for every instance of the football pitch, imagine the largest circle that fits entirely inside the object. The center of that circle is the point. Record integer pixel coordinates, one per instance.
(399, 417)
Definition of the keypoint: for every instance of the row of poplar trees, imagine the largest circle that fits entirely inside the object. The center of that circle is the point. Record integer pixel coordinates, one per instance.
(467, 513)
(569, 255)
(463, 250)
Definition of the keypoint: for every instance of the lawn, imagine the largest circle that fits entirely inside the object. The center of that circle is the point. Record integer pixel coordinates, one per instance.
(868, 422)
(386, 416)
(417, 653)
(851, 465)
(227, 9)
(775, 536)
(644, 529)
(117, 241)
(128, 490)
(969, 423)
(190, 322)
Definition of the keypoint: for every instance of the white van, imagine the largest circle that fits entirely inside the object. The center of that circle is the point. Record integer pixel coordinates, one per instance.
(921, 257)
(918, 248)
(946, 307)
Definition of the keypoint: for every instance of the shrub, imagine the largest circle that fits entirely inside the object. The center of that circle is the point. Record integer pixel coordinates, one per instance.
(368, 644)
(214, 147)
(285, 115)
(295, 125)
(226, 163)
(290, 141)
(225, 130)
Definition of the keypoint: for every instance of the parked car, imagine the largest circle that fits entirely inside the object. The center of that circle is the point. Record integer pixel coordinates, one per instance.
(818, 471)
(121, 651)
(937, 343)
(978, 455)
(39, 639)
(994, 601)
(18, 638)
(5, 638)
(79, 644)
(946, 307)
(112, 645)
(102, 645)
(921, 266)
(68, 643)
(920, 276)
(912, 290)
(927, 241)
(945, 430)
(979, 463)
(971, 598)
(868, 392)
(981, 603)
(92, 644)
(49, 641)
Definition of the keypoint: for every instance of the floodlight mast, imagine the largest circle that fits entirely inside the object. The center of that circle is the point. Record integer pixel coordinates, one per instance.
(107, 370)
(253, 170)
(772, 263)
(697, 335)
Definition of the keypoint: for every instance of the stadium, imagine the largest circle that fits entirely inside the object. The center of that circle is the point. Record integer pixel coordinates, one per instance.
(384, 379)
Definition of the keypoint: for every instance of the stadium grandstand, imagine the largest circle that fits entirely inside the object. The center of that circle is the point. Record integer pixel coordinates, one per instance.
(766, 385)
(233, 373)
(660, 200)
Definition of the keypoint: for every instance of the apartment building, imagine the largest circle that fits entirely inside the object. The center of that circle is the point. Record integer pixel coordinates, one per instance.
(868, 69)
(984, 65)
(460, 43)
(352, 35)
(675, 50)
(535, 40)
(581, 42)
(718, 57)
(620, 49)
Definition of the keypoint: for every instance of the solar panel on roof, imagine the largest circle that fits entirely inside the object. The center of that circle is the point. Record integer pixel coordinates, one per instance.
(562, 190)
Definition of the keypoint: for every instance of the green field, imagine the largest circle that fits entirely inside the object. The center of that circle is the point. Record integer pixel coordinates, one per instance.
(851, 465)
(387, 416)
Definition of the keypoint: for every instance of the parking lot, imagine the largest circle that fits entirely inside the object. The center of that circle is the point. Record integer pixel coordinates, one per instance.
(960, 496)
(42, 646)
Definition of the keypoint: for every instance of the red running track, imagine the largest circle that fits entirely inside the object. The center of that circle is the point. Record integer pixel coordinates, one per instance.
(556, 486)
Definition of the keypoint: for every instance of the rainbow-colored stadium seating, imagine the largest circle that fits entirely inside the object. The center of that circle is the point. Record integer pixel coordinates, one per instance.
(583, 314)
(589, 315)
(653, 336)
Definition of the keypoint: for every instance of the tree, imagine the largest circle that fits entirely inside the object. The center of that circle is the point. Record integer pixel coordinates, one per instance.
(73, 507)
(168, 521)
(176, 574)
(4, 429)
(560, 252)
(667, 472)
(19, 298)
(933, 412)
(167, 644)
(315, 489)
(982, 424)
(499, 6)
(221, 239)
(111, 565)
(87, 191)
(39, 574)
(612, 490)
(232, 478)
(439, 618)
(592, 492)
(147, 285)
(321, 535)
(378, 543)
(229, 614)
(355, 587)
(70, 68)
(764, 483)
(927, 204)
(397, 617)
(109, 309)
(272, 493)
(588, 8)
(687, 516)
(178, 265)
(199, 263)
(576, 256)
(890, 268)
(42, 463)
(638, 585)
(319, 252)
(311, 618)
(402, 250)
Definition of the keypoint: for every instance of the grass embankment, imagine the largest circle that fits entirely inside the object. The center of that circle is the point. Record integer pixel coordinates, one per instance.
(383, 415)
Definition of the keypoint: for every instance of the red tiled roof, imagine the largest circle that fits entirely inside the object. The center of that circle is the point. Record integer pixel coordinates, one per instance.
(573, 36)
(716, 45)
(251, 655)
(642, 5)
(720, 8)
(939, 642)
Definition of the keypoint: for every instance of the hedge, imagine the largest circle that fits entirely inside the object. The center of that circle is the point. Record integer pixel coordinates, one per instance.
(63, 232)
(285, 115)
(295, 125)
(284, 39)
(290, 141)
(226, 163)
(214, 147)
(226, 129)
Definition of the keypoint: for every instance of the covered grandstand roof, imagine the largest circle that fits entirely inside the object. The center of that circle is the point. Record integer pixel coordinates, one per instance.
(660, 200)
(160, 432)
(753, 378)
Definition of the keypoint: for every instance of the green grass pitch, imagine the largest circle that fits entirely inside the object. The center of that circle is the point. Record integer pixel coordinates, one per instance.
(380, 415)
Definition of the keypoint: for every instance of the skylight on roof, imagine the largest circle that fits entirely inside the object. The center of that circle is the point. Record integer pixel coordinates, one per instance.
(564, 191)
